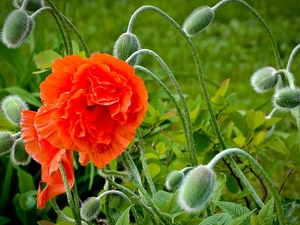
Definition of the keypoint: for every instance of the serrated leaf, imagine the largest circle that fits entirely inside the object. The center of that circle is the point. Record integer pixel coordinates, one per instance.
(124, 218)
(221, 218)
(242, 220)
(233, 209)
(266, 213)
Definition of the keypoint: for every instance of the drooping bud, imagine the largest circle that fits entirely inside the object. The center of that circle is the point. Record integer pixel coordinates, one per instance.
(17, 27)
(90, 208)
(18, 154)
(32, 5)
(264, 79)
(174, 180)
(126, 45)
(287, 98)
(6, 142)
(12, 106)
(198, 20)
(197, 188)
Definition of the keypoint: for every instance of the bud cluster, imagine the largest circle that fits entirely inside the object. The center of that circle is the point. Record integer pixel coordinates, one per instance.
(11, 107)
(19, 24)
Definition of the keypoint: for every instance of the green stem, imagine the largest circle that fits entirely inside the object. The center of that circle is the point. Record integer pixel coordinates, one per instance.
(144, 163)
(131, 167)
(286, 75)
(203, 88)
(295, 50)
(169, 93)
(189, 130)
(264, 24)
(61, 22)
(60, 213)
(133, 196)
(260, 170)
(108, 213)
(79, 36)
(69, 194)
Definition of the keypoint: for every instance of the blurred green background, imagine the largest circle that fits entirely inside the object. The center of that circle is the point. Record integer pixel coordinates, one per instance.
(233, 46)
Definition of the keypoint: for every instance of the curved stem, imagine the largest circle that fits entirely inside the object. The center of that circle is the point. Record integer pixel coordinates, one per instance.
(69, 194)
(189, 131)
(144, 163)
(264, 24)
(203, 88)
(285, 74)
(79, 36)
(60, 213)
(295, 50)
(61, 21)
(260, 170)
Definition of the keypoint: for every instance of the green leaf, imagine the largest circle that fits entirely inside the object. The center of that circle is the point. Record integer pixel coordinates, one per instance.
(44, 59)
(28, 97)
(295, 155)
(4, 220)
(220, 218)
(6, 186)
(232, 184)
(44, 222)
(233, 209)
(266, 213)
(26, 183)
(154, 169)
(256, 221)
(242, 220)
(124, 218)
(255, 119)
(27, 200)
(216, 195)
(240, 122)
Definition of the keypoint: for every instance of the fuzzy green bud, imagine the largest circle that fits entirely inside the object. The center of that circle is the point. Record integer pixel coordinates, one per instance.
(18, 154)
(197, 188)
(12, 106)
(6, 142)
(287, 98)
(174, 180)
(198, 20)
(32, 5)
(125, 46)
(90, 208)
(17, 27)
(264, 79)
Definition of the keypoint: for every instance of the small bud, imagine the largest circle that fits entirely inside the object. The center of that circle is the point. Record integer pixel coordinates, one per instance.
(18, 154)
(264, 79)
(6, 142)
(126, 45)
(174, 180)
(90, 208)
(12, 106)
(17, 27)
(198, 20)
(197, 188)
(287, 98)
(32, 5)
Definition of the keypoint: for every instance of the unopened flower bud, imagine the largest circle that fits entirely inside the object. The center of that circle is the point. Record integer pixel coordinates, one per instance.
(287, 98)
(32, 5)
(18, 154)
(6, 142)
(127, 44)
(264, 79)
(12, 106)
(174, 180)
(90, 208)
(17, 27)
(198, 20)
(197, 188)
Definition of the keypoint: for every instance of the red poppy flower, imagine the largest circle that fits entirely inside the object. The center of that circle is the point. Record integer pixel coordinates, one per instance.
(92, 106)
(49, 157)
